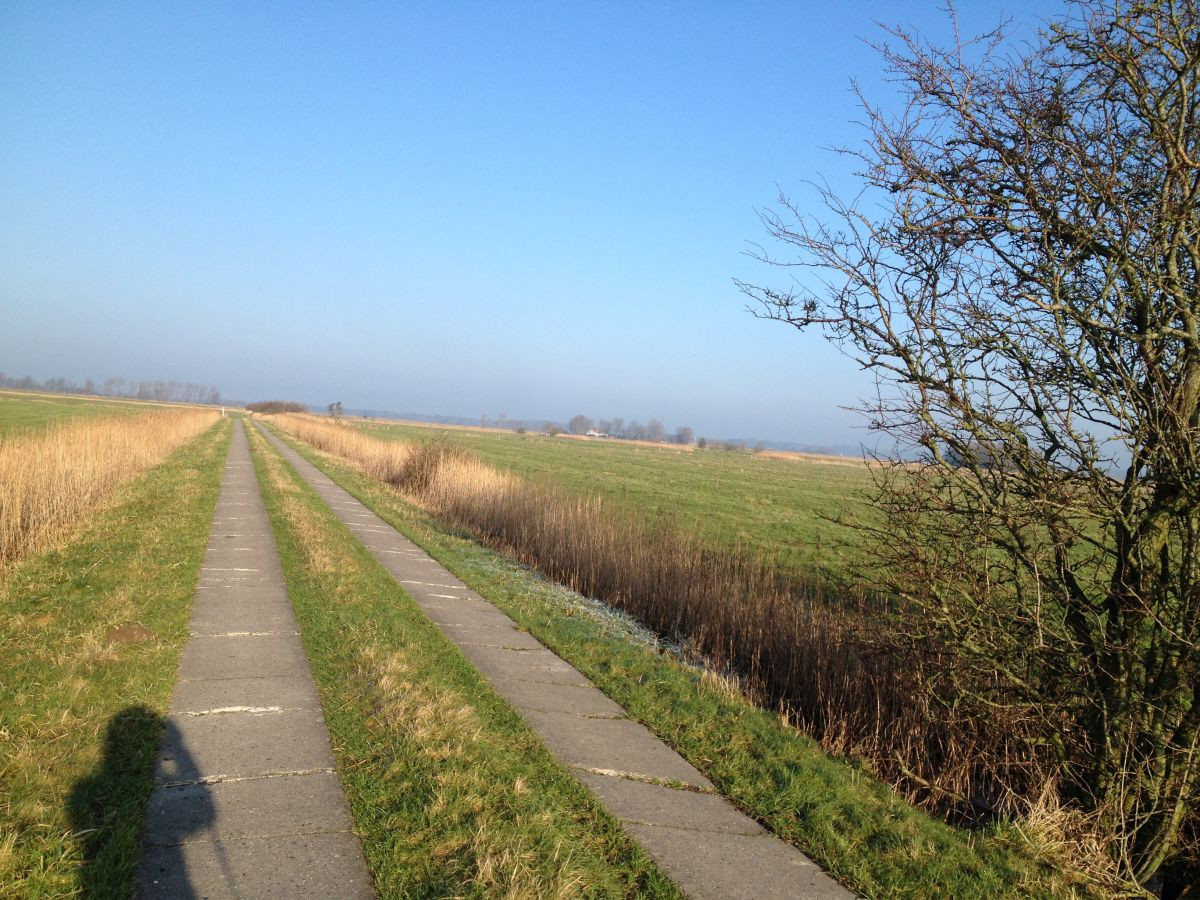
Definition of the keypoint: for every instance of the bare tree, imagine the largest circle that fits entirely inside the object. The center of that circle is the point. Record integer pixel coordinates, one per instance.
(1022, 274)
(684, 435)
(579, 424)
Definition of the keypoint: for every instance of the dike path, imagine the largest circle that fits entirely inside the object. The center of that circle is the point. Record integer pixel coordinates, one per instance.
(707, 846)
(246, 802)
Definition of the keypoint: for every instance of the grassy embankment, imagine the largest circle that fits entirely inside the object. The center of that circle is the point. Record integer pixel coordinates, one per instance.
(833, 810)
(778, 508)
(90, 637)
(451, 792)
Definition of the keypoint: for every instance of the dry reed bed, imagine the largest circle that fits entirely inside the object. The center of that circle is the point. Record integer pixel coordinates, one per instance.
(838, 666)
(50, 478)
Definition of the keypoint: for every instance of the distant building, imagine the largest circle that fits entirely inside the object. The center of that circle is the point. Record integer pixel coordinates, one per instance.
(594, 433)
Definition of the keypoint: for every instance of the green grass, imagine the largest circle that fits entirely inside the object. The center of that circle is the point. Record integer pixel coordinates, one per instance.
(851, 824)
(777, 507)
(22, 411)
(90, 638)
(451, 792)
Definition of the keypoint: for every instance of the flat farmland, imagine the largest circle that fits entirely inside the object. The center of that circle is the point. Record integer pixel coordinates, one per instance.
(20, 411)
(779, 508)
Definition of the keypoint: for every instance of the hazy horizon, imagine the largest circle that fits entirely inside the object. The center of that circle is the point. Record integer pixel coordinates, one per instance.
(460, 209)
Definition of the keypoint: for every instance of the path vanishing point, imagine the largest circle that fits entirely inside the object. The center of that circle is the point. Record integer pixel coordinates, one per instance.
(247, 804)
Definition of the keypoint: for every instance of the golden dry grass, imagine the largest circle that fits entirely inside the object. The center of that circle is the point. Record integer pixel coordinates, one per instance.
(376, 459)
(50, 478)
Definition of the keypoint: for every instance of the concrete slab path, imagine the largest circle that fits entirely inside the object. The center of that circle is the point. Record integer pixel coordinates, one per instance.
(707, 846)
(246, 802)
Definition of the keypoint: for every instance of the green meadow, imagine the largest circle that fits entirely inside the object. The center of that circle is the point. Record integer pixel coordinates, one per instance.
(20, 411)
(792, 511)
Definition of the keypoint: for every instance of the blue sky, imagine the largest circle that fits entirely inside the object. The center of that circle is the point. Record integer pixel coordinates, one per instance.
(455, 208)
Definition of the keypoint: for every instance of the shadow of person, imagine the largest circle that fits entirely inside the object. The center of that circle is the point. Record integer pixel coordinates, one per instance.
(106, 806)
(107, 809)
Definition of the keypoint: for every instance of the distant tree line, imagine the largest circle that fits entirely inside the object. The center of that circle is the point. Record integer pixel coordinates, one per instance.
(634, 431)
(730, 446)
(617, 428)
(162, 391)
(271, 407)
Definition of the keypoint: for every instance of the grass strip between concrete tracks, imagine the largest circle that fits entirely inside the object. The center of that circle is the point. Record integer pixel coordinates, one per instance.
(90, 638)
(452, 794)
(854, 826)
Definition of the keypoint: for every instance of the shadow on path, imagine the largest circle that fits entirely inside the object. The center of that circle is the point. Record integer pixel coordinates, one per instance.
(107, 807)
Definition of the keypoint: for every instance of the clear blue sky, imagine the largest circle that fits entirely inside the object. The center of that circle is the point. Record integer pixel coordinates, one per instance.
(456, 208)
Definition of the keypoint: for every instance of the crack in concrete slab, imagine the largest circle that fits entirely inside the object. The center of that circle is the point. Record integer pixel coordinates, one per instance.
(757, 833)
(231, 779)
(650, 779)
(574, 684)
(250, 835)
(244, 633)
(252, 710)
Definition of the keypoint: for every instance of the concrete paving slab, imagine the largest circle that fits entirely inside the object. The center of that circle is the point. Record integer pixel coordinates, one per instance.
(530, 665)
(214, 617)
(240, 745)
(249, 656)
(500, 636)
(247, 581)
(320, 866)
(255, 807)
(237, 558)
(654, 804)
(238, 592)
(577, 700)
(734, 866)
(463, 615)
(617, 745)
(231, 544)
(284, 691)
